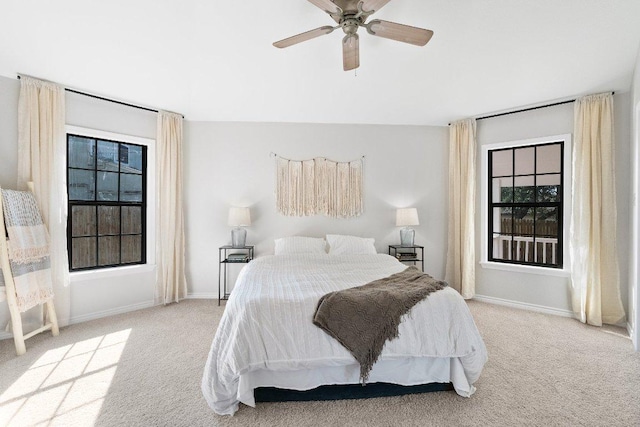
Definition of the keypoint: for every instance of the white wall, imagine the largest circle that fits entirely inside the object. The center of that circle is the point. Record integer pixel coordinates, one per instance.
(634, 257)
(229, 164)
(9, 92)
(551, 293)
(92, 294)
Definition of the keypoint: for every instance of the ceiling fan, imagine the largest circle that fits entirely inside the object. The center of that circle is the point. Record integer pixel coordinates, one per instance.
(352, 14)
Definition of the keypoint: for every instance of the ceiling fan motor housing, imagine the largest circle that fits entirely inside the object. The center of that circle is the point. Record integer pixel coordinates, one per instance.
(350, 25)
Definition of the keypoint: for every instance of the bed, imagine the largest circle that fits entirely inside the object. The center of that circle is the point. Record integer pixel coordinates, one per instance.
(266, 337)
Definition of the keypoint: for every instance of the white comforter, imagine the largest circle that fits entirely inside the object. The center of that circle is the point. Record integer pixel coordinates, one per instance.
(267, 328)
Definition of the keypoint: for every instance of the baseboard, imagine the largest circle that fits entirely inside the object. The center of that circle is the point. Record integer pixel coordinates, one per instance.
(110, 312)
(524, 306)
(202, 295)
(93, 316)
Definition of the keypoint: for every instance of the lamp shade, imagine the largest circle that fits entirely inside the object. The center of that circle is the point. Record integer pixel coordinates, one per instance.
(239, 217)
(407, 216)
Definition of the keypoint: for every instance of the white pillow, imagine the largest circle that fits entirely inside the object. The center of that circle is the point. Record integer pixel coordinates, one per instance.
(300, 245)
(341, 245)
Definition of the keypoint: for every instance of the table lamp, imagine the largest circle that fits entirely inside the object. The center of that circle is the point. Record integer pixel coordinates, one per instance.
(405, 218)
(239, 217)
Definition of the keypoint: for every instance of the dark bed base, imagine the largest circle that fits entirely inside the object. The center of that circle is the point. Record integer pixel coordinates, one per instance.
(346, 391)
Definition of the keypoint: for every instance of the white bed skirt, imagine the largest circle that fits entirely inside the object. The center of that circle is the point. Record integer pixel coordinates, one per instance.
(406, 372)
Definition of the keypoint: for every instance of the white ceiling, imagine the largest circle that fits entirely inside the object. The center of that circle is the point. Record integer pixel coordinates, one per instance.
(213, 60)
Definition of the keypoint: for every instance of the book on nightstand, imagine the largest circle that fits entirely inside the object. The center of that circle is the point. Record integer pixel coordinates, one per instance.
(407, 256)
(237, 257)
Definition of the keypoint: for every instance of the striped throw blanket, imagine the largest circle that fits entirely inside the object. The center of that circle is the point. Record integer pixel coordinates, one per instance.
(28, 248)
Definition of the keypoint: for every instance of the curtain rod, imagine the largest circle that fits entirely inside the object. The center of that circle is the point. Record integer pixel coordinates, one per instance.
(115, 101)
(522, 110)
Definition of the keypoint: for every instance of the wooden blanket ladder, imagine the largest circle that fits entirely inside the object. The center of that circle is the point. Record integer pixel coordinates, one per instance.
(49, 312)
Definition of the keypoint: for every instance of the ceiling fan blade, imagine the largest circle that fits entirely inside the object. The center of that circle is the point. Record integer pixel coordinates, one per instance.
(327, 5)
(373, 5)
(399, 32)
(351, 52)
(303, 37)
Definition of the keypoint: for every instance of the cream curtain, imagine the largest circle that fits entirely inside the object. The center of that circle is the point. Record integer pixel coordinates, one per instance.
(319, 186)
(171, 283)
(462, 190)
(42, 158)
(595, 280)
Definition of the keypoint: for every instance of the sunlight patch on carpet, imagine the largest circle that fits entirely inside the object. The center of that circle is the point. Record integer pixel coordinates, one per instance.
(66, 385)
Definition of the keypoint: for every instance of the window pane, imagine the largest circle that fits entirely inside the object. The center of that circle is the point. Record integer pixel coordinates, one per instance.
(83, 221)
(84, 252)
(130, 188)
(107, 156)
(107, 186)
(502, 190)
(523, 221)
(131, 220)
(548, 189)
(109, 250)
(131, 249)
(502, 247)
(549, 193)
(502, 162)
(81, 152)
(131, 158)
(81, 185)
(521, 245)
(523, 194)
(547, 222)
(524, 161)
(548, 159)
(502, 220)
(547, 232)
(523, 248)
(108, 220)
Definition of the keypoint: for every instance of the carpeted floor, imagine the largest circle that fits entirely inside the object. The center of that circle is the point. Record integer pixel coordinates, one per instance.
(144, 369)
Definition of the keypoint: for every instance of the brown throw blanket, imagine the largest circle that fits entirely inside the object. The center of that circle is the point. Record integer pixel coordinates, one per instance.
(363, 318)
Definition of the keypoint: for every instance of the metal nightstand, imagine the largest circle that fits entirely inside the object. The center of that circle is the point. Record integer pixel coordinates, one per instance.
(242, 255)
(408, 253)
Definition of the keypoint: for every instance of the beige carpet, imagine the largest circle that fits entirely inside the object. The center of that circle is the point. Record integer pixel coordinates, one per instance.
(144, 369)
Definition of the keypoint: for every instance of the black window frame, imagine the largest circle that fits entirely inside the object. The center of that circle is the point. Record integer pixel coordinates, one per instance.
(98, 203)
(559, 204)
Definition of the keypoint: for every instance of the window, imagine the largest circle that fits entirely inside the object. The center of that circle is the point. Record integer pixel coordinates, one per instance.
(525, 193)
(106, 183)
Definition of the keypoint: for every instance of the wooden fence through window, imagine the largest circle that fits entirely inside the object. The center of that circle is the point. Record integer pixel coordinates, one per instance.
(521, 246)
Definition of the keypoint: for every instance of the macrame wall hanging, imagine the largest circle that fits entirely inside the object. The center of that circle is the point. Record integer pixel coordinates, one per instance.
(319, 187)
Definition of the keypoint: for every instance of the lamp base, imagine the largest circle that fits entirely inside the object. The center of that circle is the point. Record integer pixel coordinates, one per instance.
(407, 236)
(238, 237)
